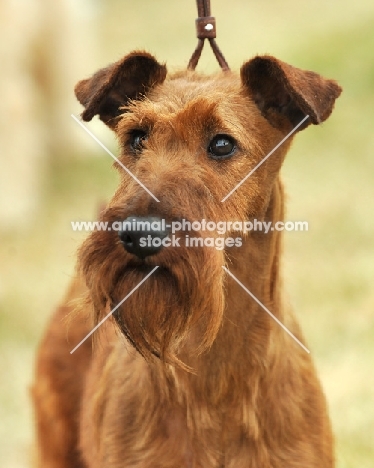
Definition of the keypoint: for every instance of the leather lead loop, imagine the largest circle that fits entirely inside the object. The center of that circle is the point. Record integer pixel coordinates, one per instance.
(206, 29)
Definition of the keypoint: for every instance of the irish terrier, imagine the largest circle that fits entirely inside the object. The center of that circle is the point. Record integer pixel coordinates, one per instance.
(190, 371)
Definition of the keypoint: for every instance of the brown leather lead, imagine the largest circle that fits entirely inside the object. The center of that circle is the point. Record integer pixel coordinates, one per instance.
(206, 29)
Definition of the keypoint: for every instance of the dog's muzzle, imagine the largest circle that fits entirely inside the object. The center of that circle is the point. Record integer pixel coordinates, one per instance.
(143, 236)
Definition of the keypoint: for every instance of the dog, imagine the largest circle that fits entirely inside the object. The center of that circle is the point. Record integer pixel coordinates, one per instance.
(187, 370)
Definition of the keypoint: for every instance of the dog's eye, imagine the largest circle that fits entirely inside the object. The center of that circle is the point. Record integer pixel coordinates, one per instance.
(137, 138)
(221, 147)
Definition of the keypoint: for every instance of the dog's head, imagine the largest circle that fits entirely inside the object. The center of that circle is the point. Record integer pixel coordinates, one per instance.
(186, 141)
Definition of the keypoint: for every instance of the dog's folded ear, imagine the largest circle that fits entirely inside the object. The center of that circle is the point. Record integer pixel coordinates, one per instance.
(285, 93)
(113, 87)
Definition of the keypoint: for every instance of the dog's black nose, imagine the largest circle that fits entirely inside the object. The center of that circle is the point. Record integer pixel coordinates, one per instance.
(143, 236)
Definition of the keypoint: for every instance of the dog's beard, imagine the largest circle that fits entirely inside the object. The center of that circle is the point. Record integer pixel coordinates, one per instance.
(178, 308)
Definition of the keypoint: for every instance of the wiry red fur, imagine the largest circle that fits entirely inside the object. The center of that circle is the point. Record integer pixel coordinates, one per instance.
(211, 381)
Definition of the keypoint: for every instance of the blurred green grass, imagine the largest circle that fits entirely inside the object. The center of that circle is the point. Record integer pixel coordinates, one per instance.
(328, 174)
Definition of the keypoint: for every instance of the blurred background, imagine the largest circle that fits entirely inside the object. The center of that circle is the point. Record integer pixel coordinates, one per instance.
(52, 173)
